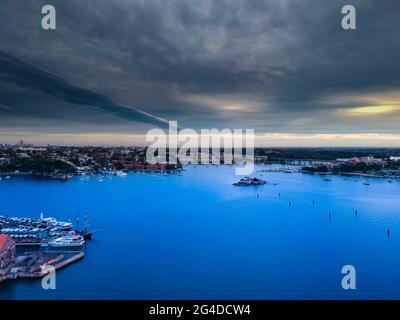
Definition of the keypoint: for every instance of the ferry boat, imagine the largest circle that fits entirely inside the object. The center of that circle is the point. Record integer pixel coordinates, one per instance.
(247, 181)
(67, 241)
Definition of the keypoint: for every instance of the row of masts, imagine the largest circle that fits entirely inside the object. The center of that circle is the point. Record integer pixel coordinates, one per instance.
(85, 223)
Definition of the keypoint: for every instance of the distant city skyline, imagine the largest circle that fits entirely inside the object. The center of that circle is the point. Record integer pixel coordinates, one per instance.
(113, 70)
(266, 140)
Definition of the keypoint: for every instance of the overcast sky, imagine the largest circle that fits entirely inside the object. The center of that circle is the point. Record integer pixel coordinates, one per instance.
(114, 69)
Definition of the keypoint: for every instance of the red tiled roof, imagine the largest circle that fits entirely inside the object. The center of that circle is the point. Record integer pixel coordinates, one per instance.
(3, 238)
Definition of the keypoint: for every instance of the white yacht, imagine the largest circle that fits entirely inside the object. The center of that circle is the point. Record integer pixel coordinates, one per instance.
(120, 174)
(67, 241)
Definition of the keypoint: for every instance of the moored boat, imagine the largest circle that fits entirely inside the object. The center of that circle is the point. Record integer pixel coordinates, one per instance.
(120, 174)
(67, 241)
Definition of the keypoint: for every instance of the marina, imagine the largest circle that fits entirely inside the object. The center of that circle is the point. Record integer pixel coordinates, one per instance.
(41, 237)
(41, 232)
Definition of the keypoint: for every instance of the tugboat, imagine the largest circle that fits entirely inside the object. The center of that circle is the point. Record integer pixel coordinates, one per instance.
(247, 181)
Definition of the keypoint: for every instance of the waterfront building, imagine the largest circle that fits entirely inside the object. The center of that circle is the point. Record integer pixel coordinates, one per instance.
(353, 160)
(261, 159)
(328, 164)
(7, 250)
(371, 160)
(367, 160)
(32, 149)
(342, 160)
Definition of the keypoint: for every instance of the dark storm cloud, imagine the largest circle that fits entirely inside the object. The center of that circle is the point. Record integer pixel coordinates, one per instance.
(281, 65)
(15, 71)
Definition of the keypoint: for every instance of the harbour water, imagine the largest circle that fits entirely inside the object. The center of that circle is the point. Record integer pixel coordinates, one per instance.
(196, 236)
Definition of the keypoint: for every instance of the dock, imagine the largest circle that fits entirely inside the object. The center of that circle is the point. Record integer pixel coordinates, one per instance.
(32, 265)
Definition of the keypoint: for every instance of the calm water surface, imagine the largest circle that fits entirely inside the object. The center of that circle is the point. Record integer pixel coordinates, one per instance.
(196, 236)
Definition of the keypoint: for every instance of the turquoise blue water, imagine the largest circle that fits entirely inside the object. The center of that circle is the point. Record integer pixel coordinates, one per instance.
(196, 236)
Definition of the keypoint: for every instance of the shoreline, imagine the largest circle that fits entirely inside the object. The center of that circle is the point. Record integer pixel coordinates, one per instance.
(65, 177)
(352, 174)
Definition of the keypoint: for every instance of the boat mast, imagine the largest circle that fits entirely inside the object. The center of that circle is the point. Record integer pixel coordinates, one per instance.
(77, 222)
(86, 222)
